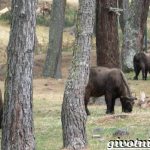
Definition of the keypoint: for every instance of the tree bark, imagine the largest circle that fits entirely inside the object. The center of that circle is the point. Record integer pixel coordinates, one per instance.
(145, 39)
(17, 130)
(134, 32)
(123, 4)
(73, 113)
(107, 34)
(52, 67)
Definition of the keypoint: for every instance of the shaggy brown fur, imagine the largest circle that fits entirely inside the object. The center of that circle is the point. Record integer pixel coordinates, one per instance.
(141, 61)
(111, 83)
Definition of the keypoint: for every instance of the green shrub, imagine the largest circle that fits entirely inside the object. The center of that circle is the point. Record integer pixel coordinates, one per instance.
(43, 20)
(6, 16)
(70, 16)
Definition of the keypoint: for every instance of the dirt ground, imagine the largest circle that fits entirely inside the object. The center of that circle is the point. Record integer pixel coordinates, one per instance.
(46, 88)
(50, 85)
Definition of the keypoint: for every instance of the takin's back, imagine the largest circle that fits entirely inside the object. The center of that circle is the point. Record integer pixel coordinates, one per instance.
(105, 74)
(102, 78)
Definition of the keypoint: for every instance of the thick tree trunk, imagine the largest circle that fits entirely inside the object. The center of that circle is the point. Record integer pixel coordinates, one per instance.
(17, 130)
(73, 114)
(52, 67)
(134, 32)
(107, 34)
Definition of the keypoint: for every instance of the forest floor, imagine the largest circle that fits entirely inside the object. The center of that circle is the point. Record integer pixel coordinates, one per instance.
(48, 96)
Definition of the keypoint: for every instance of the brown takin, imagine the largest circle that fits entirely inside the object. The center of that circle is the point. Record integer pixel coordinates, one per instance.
(112, 84)
(141, 61)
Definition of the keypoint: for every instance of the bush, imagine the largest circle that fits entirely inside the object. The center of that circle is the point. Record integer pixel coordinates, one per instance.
(6, 16)
(70, 16)
(43, 20)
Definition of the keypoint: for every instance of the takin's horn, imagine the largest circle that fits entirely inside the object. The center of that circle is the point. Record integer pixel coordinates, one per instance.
(130, 98)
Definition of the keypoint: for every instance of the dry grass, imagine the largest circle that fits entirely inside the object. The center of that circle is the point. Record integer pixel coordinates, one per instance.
(49, 89)
(48, 96)
(42, 34)
(4, 28)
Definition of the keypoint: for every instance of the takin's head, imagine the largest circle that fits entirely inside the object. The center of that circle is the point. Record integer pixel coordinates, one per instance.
(127, 103)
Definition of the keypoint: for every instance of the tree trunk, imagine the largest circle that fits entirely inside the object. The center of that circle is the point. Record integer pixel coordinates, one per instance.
(52, 67)
(107, 34)
(134, 32)
(73, 113)
(123, 4)
(17, 130)
(145, 39)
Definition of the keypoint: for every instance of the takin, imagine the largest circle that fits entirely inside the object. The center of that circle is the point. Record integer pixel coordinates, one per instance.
(141, 61)
(112, 84)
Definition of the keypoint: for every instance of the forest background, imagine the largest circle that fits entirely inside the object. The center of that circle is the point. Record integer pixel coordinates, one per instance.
(48, 93)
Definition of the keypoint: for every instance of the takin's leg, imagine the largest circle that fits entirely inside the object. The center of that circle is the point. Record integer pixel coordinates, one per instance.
(109, 103)
(143, 72)
(146, 74)
(113, 105)
(137, 71)
(123, 105)
(86, 100)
